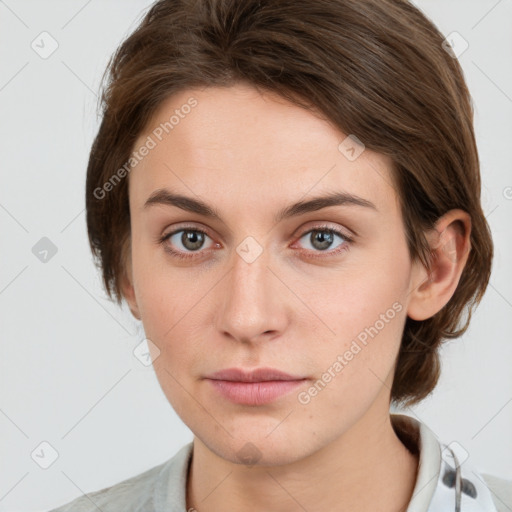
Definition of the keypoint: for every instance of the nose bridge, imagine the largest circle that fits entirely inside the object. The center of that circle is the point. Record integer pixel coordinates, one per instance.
(249, 306)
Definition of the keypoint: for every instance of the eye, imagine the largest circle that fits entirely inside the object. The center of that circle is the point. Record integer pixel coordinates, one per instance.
(190, 239)
(321, 239)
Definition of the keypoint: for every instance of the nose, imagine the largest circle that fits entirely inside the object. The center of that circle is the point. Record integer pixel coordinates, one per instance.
(252, 301)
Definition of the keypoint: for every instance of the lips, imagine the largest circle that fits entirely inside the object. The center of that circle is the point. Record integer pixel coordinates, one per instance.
(257, 375)
(254, 388)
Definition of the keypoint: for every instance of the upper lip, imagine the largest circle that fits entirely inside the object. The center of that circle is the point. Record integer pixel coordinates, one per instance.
(257, 375)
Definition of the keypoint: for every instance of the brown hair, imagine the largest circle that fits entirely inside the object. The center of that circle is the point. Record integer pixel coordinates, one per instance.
(373, 68)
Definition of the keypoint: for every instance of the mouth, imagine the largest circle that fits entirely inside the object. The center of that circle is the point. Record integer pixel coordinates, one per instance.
(256, 387)
(257, 375)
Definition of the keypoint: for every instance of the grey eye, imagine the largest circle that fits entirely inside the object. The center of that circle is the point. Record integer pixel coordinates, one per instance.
(322, 239)
(190, 239)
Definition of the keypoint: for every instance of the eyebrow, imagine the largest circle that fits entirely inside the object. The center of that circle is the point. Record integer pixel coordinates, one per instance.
(166, 198)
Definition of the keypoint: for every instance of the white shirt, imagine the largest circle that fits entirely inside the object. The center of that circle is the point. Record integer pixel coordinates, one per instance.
(163, 487)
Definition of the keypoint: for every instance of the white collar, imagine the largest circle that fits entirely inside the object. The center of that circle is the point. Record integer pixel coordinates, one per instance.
(446, 481)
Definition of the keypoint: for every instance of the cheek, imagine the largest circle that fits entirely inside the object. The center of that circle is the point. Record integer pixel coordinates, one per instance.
(357, 298)
(157, 287)
(365, 310)
(356, 365)
(171, 304)
(159, 297)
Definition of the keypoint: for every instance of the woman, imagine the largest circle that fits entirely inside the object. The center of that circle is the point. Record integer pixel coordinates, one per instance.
(287, 195)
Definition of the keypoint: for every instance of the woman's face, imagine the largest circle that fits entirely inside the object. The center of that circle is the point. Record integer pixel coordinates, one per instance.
(266, 285)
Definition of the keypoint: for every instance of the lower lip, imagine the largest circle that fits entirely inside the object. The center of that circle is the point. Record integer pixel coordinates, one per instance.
(255, 393)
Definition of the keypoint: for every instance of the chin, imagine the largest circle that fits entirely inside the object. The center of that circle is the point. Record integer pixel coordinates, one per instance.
(263, 445)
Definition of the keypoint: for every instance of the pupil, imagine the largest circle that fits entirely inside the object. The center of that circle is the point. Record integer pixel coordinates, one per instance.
(194, 237)
(325, 239)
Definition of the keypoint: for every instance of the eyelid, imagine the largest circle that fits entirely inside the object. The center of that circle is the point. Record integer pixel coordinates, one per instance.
(184, 227)
(344, 232)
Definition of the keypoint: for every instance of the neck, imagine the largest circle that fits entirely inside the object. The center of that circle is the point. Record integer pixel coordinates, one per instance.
(368, 467)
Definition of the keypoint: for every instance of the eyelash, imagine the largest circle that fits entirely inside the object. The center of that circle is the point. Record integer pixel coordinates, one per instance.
(320, 229)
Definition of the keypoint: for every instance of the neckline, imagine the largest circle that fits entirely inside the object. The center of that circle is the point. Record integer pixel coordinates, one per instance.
(172, 483)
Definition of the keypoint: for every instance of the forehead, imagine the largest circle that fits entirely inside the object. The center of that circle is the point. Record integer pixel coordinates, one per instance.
(223, 141)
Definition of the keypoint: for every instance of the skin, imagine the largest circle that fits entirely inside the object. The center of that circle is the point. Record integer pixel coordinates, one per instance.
(250, 154)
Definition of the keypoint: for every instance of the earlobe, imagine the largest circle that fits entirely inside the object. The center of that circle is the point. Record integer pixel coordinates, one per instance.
(127, 288)
(129, 295)
(450, 246)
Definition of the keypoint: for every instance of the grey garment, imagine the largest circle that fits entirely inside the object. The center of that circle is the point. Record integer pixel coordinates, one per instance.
(159, 489)
(163, 487)
(501, 492)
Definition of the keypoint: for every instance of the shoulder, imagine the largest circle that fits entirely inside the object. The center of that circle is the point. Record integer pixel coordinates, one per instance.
(133, 494)
(158, 488)
(501, 492)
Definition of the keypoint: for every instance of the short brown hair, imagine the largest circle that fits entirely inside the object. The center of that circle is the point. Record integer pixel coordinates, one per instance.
(374, 68)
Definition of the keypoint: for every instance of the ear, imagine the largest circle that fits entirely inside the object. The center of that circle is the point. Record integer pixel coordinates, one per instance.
(450, 246)
(127, 287)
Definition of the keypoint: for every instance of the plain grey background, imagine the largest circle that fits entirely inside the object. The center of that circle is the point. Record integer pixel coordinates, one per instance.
(68, 373)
